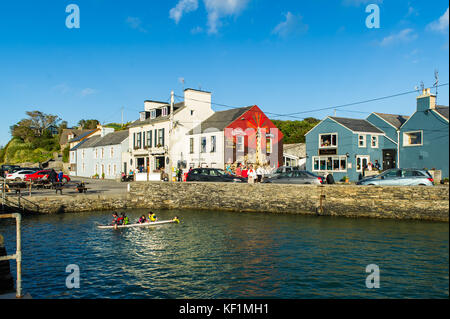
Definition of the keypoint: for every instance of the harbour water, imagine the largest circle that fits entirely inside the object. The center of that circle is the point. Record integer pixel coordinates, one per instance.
(232, 255)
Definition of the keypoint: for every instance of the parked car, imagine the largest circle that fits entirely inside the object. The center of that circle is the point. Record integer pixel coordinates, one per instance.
(295, 177)
(19, 175)
(282, 169)
(400, 177)
(212, 175)
(44, 174)
(9, 168)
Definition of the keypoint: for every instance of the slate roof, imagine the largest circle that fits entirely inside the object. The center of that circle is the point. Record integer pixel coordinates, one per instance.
(176, 108)
(66, 132)
(112, 138)
(89, 142)
(219, 120)
(97, 140)
(357, 125)
(443, 110)
(394, 119)
(83, 135)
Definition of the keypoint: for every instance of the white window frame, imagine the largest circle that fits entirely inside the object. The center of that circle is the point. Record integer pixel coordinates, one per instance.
(203, 147)
(364, 140)
(361, 157)
(152, 114)
(270, 145)
(333, 158)
(213, 144)
(406, 138)
(164, 111)
(240, 146)
(372, 139)
(111, 152)
(331, 146)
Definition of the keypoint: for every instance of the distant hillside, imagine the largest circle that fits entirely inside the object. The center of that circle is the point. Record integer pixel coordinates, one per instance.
(294, 131)
(18, 151)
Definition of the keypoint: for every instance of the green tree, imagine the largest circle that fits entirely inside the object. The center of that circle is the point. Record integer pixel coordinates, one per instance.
(294, 131)
(88, 124)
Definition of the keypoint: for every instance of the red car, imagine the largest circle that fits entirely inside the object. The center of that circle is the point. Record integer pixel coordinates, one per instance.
(41, 174)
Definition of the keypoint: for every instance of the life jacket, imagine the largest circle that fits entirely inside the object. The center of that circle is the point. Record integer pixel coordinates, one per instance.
(176, 220)
(152, 217)
(125, 220)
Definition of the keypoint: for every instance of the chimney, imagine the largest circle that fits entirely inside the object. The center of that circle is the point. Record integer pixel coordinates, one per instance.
(426, 101)
(199, 103)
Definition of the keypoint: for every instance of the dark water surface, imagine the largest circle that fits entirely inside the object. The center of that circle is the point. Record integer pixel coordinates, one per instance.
(232, 255)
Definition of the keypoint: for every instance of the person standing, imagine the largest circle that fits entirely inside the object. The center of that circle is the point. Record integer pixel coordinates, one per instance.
(238, 170)
(260, 173)
(251, 175)
(245, 172)
(60, 176)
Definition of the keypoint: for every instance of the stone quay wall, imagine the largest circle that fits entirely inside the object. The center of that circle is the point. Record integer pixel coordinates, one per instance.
(397, 202)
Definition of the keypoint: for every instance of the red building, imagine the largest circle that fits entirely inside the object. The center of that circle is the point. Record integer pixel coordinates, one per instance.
(242, 135)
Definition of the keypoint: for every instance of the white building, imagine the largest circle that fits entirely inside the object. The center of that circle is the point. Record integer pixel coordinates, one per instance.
(157, 140)
(105, 155)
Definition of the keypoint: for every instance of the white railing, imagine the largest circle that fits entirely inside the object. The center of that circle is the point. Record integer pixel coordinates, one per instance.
(18, 255)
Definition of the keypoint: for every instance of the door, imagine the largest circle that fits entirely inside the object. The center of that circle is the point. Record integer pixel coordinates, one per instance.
(362, 161)
(389, 159)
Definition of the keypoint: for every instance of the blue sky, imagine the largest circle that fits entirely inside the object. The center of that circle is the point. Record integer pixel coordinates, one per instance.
(284, 56)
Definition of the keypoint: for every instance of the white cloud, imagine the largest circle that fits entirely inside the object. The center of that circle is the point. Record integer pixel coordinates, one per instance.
(291, 25)
(87, 91)
(62, 88)
(135, 23)
(218, 9)
(405, 35)
(440, 25)
(183, 6)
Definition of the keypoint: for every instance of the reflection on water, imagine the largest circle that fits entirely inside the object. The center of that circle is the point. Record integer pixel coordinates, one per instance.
(231, 255)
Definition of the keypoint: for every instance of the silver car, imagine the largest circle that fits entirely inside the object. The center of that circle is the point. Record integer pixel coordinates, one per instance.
(400, 177)
(295, 177)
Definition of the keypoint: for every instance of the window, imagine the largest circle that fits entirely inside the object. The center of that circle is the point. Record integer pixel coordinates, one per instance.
(153, 114)
(82, 154)
(191, 145)
(362, 161)
(412, 138)
(329, 163)
(327, 140)
(161, 137)
(374, 141)
(240, 143)
(103, 153)
(268, 145)
(213, 144)
(165, 111)
(96, 153)
(139, 139)
(203, 145)
(361, 140)
(115, 169)
(112, 152)
(149, 139)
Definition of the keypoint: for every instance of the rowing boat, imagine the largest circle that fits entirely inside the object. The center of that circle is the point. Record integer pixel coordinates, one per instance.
(137, 225)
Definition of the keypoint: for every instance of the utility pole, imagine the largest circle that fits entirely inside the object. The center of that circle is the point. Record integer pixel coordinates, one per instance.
(122, 116)
(172, 99)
